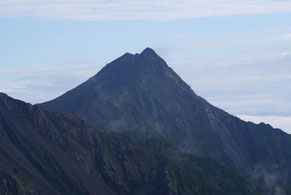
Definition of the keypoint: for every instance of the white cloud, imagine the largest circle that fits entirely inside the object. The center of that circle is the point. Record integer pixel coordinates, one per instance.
(285, 37)
(9, 89)
(283, 123)
(138, 9)
(251, 85)
(48, 83)
(245, 102)
(74, 68)
(254, 59)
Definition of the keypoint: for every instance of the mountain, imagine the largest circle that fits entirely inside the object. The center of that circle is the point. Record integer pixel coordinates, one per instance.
(54, 153)
(142, 93)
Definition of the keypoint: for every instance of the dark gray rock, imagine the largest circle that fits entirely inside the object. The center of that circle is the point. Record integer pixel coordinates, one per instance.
(141, 93)
(54, 153)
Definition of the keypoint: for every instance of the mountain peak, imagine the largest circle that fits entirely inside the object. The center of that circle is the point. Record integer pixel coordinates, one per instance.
(149, 51)
(3, 96)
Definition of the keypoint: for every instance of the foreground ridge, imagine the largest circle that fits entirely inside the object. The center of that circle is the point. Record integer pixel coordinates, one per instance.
(53, 153)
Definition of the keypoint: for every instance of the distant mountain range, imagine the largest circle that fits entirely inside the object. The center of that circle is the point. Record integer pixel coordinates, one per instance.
(150, 134)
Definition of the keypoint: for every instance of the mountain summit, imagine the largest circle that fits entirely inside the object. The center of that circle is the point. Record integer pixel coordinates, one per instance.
(142, 93)
(135, 92)
(149, 51)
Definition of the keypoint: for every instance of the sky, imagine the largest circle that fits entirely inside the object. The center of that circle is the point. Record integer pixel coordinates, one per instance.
(235, 54)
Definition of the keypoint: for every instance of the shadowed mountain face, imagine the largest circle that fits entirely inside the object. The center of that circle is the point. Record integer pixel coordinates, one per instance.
(52, 153)
(141, 93)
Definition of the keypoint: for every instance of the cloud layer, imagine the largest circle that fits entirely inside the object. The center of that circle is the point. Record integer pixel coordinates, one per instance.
(243, 86)
(47, 83)
(139, 9)
(283, 123)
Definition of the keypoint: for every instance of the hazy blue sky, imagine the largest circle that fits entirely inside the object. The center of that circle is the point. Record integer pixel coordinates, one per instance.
(236, 54)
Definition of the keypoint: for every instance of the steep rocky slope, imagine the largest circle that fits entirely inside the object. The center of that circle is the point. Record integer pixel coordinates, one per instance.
(141, 93)
(53, 153)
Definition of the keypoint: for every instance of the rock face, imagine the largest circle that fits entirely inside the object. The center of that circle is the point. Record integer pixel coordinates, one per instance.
(54, 153)
(142, 93)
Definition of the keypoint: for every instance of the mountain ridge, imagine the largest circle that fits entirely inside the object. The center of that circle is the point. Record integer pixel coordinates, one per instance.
(55, 153)
(142, 93)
